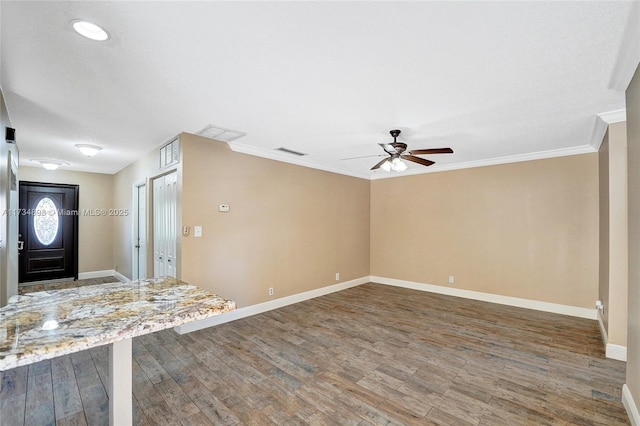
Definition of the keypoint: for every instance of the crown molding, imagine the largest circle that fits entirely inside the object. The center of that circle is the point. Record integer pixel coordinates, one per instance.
(612, 117)
(596, 138)
(603, 122)
(597, 133)
(285, 158)
(562, 152)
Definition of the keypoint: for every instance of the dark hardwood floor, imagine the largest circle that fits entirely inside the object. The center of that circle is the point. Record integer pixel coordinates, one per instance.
(369, 355)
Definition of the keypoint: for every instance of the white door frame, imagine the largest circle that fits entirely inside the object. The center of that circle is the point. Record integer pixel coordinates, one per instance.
(135, 251)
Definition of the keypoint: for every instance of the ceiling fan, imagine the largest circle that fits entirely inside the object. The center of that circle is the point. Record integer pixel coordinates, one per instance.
(396, 150)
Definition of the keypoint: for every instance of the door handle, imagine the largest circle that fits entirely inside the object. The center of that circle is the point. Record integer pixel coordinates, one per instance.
(169, 260)
(137, 246)
(159, 257)
(20, 245)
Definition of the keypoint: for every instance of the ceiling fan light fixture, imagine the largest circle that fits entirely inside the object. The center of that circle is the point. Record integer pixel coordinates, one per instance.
(397, 165)
(386, 166)
(89, 150)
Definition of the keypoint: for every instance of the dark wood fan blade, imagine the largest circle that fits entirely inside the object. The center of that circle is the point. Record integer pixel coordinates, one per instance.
(431, 151)
(364, 156)
(389, 148)
(377, 166)
(417, 160)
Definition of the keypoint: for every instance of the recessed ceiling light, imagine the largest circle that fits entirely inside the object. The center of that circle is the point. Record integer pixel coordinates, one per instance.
(51, 164)
(90, 30)
(89, 150)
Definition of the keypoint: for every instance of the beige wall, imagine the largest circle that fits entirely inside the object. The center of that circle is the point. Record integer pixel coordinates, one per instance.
(290, 227)
(95, 233)
(633, 141)
(527, 230)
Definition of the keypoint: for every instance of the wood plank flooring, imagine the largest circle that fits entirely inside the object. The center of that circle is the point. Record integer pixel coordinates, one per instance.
(369, 355)
(26, 288)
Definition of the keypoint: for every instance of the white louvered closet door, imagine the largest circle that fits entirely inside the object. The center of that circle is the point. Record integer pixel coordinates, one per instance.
(165, 225)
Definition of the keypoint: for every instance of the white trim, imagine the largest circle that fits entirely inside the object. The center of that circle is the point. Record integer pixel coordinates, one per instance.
(597, 133)
(556, 308)
(630, 406)
(120, 277)
(95, 274)
(268, 306)
(286, 158)
(617, 352)
(629, 54)
(104, 273)
(596, 140)
(603, 330)
(612, 350)
(552, 153)
(135, 210)
(612, 117)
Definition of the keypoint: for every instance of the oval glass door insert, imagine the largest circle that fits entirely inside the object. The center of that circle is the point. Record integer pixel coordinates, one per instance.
(45, 221)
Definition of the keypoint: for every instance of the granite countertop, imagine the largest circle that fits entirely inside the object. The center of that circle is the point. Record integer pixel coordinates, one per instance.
(47, 324)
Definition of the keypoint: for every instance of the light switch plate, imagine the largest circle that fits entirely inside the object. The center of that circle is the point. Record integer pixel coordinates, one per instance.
(197, 231)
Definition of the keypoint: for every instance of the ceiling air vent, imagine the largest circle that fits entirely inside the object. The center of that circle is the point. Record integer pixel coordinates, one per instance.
(290, 151)
(220, 133)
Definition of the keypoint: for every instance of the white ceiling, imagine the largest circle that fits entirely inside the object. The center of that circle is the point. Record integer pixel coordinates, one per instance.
(489, 79)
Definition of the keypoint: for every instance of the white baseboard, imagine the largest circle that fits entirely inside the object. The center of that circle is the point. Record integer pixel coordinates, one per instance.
(630, 406)
(268, 306)
(612, 350)
(104, 273)
(120, 277)
(618, 352)
(556, 308)
(603, 330)
(95, 274)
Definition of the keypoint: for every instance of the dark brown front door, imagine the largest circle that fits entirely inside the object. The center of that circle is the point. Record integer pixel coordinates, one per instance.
(48, 231)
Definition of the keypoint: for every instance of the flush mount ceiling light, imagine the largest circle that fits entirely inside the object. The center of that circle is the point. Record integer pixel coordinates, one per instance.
(90, 30)
(51, 164)
(89, 150)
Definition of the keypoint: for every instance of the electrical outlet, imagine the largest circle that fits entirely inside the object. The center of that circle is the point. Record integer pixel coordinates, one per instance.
(338, 276)
(450, 279)
(270, 291)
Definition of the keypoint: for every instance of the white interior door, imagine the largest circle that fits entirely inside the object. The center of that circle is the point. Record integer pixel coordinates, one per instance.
(165, 225)
(171, 189)
(159, 227)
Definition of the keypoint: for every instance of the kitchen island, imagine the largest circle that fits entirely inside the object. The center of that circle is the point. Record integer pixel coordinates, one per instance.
(47, 324)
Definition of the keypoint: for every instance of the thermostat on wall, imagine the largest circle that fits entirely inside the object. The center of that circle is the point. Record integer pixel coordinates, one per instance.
(223, 208)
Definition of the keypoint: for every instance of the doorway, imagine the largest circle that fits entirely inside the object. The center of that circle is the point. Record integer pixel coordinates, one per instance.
(139, 269)
(165, 225)
(48, 231)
